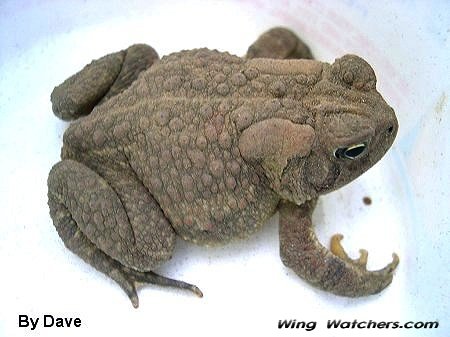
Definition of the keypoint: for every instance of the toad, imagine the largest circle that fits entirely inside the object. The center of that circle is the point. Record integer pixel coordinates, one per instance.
(206, 146)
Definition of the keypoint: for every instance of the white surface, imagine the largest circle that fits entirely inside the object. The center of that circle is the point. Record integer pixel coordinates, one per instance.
(247, 289)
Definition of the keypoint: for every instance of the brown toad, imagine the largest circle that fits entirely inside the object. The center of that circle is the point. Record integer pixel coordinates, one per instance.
(207, 146)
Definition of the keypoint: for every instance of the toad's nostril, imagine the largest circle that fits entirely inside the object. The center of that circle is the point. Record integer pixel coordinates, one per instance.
(390, 129)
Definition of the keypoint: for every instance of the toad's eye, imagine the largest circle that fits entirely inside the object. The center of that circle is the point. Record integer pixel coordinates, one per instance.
(350, 152)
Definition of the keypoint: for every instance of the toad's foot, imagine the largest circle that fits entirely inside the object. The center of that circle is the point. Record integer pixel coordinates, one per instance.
(333, 270)
(361, 262)
(279, 43)
(133, 277)
(100, 80)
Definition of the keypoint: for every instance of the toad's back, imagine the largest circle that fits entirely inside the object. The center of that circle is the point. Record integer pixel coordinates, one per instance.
(176, 128)
(192, 165)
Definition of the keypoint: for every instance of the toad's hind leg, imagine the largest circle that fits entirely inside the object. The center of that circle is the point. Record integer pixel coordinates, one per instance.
(279, 43)
(124, 235)
(100, 80)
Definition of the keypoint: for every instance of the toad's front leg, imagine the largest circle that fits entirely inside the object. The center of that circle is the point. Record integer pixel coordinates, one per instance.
(331, 270)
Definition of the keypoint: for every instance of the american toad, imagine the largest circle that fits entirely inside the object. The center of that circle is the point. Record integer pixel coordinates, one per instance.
(206, 146)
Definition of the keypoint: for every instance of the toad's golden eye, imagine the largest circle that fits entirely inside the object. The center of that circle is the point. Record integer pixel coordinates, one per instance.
(351, 152)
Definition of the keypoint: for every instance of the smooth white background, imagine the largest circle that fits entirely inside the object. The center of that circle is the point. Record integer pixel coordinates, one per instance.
(247, 289)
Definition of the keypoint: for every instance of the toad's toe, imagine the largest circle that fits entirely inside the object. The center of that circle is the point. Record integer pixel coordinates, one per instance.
(361, 262)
